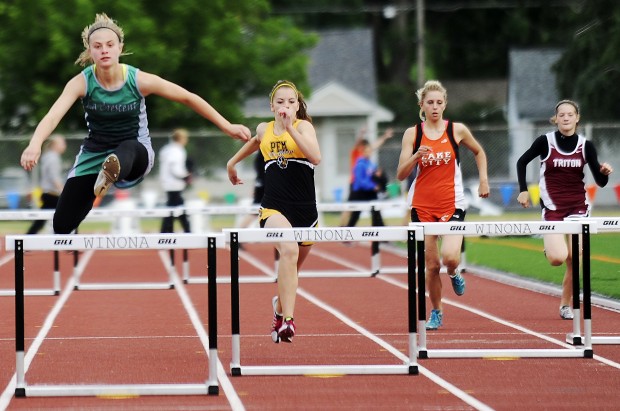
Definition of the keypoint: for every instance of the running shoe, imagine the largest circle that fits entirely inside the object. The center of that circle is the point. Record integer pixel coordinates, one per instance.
(435, 321)
(287, 330)
(458, 284)
(566, 313)
(277, 321)
(108, 175)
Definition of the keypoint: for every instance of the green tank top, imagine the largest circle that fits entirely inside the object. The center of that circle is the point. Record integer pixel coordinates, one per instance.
(113, 116)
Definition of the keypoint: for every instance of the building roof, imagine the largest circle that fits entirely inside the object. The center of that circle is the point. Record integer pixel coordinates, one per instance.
(532, 82)
(335, 100)
(345, 57)
(341, 60)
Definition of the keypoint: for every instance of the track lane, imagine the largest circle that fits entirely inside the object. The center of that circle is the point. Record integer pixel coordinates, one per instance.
(375, 305)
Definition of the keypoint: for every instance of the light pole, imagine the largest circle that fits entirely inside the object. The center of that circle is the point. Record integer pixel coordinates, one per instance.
(420, 40)
(390, 12)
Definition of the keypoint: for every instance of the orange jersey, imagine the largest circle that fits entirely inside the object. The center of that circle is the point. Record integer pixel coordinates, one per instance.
(438, 185)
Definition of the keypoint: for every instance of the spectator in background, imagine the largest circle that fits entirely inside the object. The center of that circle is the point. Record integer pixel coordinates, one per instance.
(358, 150)
(563, 155)
(174, 177)
(52, 179)
(365, 186)
(381, 178)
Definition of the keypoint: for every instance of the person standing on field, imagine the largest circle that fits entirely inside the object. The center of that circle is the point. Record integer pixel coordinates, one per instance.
(174, 177)
(52, 179)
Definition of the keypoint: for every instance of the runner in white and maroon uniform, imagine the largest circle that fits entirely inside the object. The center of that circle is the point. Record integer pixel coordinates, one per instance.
(563, 155)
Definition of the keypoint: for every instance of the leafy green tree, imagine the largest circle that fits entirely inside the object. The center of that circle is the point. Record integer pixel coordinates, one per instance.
(589, 69)
(221, 50)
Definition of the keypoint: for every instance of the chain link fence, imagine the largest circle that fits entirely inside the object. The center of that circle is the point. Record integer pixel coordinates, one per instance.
(502, 162)
(211, 151)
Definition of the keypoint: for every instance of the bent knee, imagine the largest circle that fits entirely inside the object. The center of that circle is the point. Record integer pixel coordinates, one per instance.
(556, 259)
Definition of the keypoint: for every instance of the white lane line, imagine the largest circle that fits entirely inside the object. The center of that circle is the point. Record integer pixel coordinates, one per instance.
(339, 260)
(462, 395)
(507, 323)
(9, 391)
(435, 378)
(230, 392)
(339, 315)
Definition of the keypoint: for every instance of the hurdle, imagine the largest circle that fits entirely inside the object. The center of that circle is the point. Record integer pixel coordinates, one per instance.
(20, 244)
(375, 253)
(202, 216)
(603, 225)
(127, 216)
(514, 228)
(235, 237)
(31, 215)
(123, 219)
(375, 269)
(371, 207)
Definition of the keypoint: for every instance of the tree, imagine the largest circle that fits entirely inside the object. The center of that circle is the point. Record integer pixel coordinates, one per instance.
(463, 40)
(588, 71)
(219, 49)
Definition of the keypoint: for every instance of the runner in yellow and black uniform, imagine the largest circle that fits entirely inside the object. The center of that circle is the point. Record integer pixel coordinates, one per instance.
(291, 151)
(289, 180)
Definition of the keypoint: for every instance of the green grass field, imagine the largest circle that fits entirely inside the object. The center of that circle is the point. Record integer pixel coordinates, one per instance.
(518, 255)
(524, 256)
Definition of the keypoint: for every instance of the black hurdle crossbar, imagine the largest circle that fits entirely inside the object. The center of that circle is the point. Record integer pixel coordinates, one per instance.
(234, 298)
(212, 307)
(411, 297)
(587, 302)
(576, 287)
(20, 388)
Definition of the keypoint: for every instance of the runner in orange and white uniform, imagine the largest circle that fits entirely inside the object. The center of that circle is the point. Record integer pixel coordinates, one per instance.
(431, 151)
(437, 191)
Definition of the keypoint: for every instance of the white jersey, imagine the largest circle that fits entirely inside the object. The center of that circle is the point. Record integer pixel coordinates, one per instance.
(172, 168)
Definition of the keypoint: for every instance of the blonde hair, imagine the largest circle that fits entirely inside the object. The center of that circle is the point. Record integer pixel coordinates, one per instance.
(179, 134)
(430, 85)
(102, 21)
(554, 118)
(302, 113)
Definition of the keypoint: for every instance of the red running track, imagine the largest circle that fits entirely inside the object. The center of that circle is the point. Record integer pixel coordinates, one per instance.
(148, 337)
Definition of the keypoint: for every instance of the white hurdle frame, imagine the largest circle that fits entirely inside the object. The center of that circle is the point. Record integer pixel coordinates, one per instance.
(329, 234)
(96, 214)
(375, 249)
(32, 215)
(519, 228)
(603, 225)
(19, 244)
(321, 207)
(131, 214)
